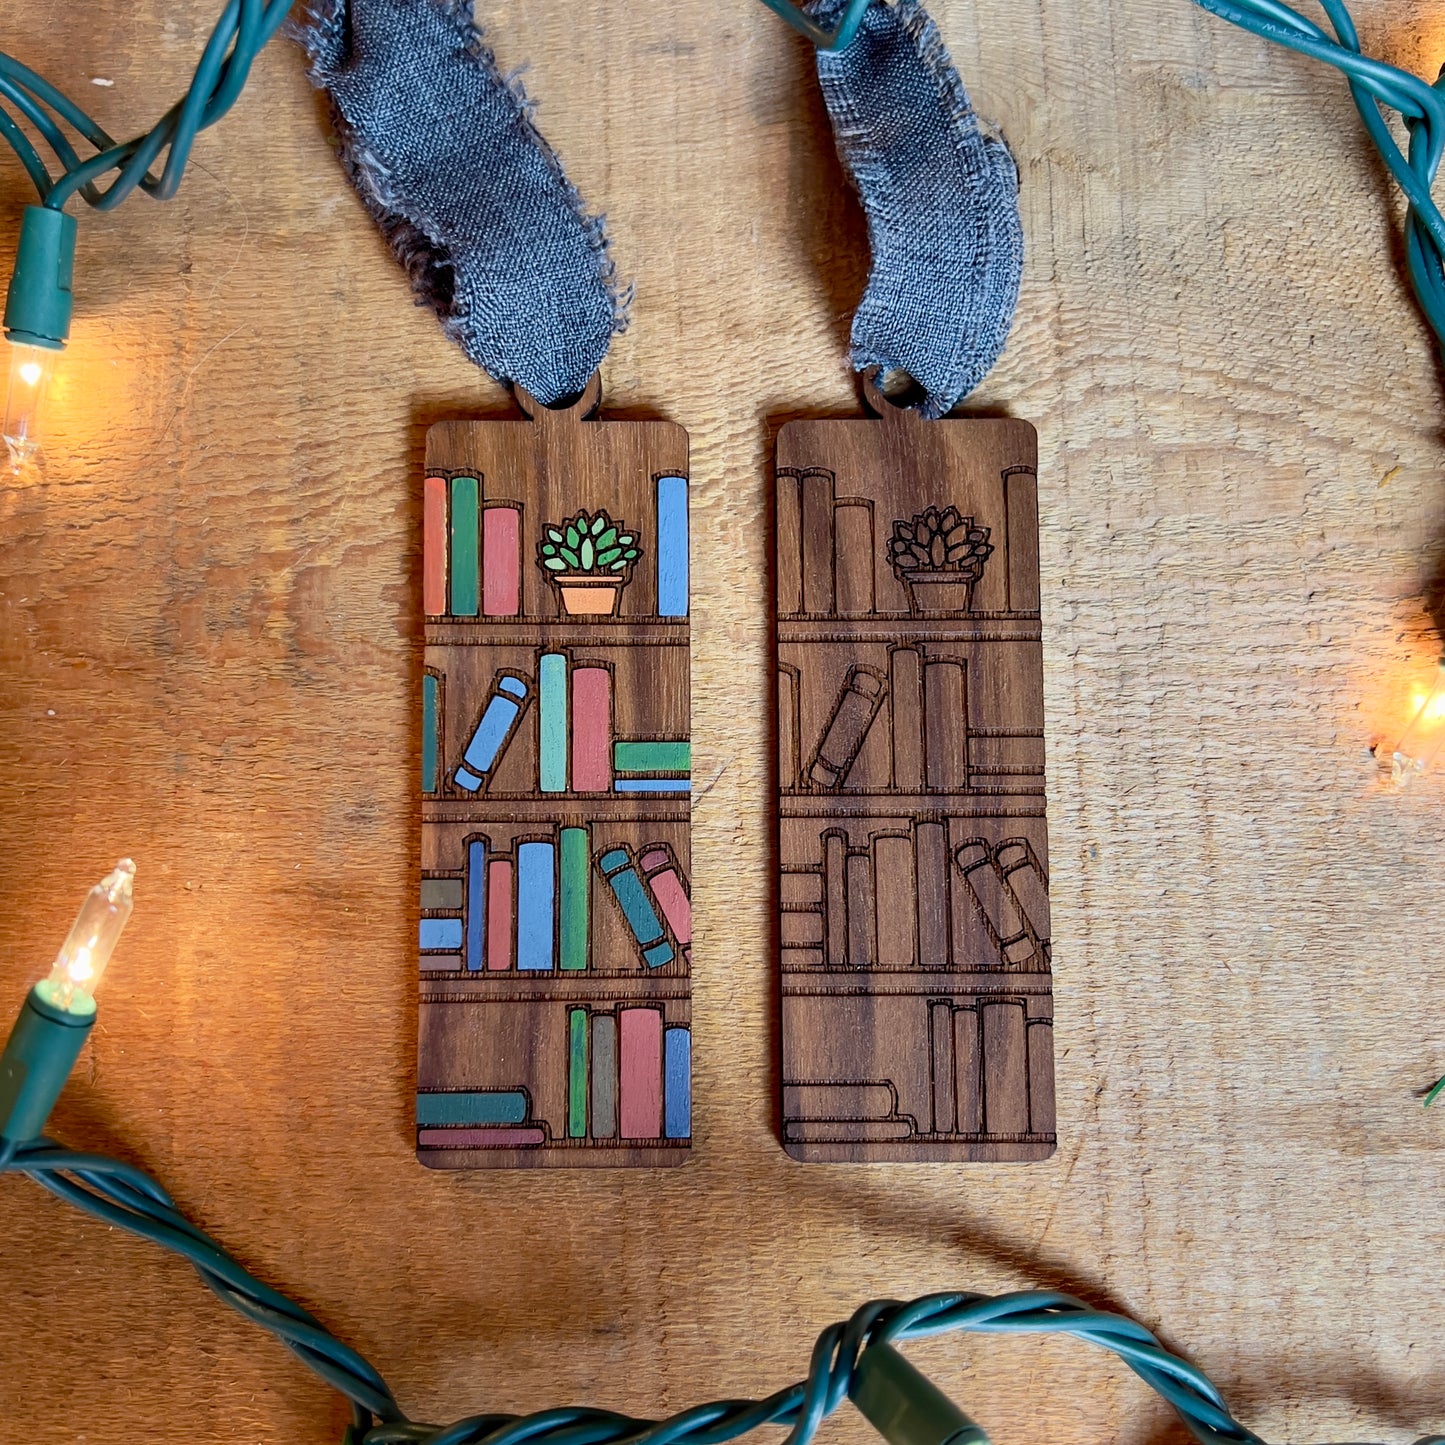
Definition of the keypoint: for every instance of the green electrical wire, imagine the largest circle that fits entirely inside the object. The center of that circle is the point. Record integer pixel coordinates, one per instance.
(1374, 84)
(240, 35)
(128, 1198)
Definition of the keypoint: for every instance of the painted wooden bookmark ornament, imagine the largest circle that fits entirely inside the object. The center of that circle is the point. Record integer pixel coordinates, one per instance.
(555, 931)
(913, 925)
(555, 923)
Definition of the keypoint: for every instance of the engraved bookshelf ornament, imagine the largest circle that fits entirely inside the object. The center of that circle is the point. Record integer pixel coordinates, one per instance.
(913, 926)
(554, 936)
(555, 926)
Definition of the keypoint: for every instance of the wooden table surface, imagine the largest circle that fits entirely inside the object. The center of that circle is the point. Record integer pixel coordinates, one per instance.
(210, 646)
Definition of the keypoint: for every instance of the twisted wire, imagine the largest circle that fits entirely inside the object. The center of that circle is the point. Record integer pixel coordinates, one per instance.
(1374, 85)
(128, 1198)
(241, 33)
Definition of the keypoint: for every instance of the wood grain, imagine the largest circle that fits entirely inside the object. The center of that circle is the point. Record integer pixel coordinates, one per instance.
(209, 642)
(556, 926)
(916, 1013)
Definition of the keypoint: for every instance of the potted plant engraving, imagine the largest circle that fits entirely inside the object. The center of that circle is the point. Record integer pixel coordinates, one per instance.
(588, 560)
(938, 556)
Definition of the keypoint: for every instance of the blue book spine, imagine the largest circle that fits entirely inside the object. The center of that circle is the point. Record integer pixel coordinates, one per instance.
(494, 730)
(536, 905)
(476, 903)
(441, 933)
(672, 541)
(552, 705)
(677, 1084)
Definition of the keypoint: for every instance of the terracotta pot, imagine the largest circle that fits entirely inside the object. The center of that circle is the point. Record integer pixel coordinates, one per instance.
(931, 593)
(590, 596)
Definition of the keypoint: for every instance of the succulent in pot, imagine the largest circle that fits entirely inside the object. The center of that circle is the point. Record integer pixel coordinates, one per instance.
(588, 560)
(938, 556)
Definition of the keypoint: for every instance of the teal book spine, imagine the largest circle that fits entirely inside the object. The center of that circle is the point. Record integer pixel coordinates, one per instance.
(636, 906)
(552, 705)
(576, 911)
(431, 688)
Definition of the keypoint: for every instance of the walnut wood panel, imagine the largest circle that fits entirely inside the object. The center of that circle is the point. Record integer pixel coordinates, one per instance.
(913, 926)
(556, 927)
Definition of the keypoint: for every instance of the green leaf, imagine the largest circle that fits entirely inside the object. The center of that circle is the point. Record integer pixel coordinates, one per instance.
(570, 558)
(627, 539)
(573, 536)
(607, 558)
(599, 522)
(587, 554)
(554, 534)
(630, 555)
(554, 564)
(620, 565)
(607, 538)
(547, 549)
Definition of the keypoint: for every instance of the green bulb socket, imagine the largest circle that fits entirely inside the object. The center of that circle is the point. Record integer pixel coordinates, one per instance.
(39, 1055)
(904, 1406)
(39, 301)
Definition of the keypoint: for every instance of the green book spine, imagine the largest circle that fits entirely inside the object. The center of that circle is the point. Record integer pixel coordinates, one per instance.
(577, 1074)
(675, 757)
(576, 903)
(465, 567)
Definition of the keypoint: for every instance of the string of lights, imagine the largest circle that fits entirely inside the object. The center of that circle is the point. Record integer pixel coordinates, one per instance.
(39, 300)
(1375, 84)
(853, 1359)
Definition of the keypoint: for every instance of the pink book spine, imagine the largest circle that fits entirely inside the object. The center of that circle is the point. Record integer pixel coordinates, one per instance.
(434, 547)
(499, 914)
(639, 1112)
(671, 896)
(480, 1138)
(501, 562)
(591, 730)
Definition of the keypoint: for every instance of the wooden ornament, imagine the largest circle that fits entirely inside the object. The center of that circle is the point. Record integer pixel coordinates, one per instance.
(913, 851)
(556, 933)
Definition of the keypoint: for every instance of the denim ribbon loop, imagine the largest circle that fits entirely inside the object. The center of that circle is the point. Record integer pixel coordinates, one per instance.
(442, 148)
(940, 191)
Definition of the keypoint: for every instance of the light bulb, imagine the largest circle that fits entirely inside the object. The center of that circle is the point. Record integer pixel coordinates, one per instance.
(1421, 742)
(92, 939)
(31, 368)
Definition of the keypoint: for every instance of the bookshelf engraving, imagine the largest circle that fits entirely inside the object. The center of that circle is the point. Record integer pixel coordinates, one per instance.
(917, 1010)
(555, 932)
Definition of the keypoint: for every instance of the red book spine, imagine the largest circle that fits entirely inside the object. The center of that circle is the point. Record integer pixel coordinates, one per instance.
(640, 1045)
(499, 913)
(671, 896)
(434, 547)
(501, 562)
(591, 730)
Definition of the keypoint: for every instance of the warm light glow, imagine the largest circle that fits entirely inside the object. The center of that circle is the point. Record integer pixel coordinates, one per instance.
(30, 371)
(1424, 738)
(92, 939)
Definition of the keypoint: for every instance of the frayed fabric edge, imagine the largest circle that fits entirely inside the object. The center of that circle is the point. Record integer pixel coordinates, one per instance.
(859, 159)
(321, 34)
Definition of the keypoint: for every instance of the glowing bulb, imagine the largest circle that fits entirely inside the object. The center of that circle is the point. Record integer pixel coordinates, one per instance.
(31, 368)
(1423, 740)
(92, 939)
